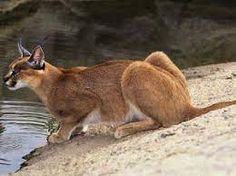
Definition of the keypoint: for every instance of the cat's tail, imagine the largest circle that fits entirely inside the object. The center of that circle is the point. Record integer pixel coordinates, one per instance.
(195, 111)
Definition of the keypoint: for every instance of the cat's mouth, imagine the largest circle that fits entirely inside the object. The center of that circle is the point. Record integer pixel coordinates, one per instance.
(11, 84)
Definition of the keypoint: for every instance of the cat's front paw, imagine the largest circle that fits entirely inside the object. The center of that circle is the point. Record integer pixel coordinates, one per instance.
(119, 133)
(55, 138)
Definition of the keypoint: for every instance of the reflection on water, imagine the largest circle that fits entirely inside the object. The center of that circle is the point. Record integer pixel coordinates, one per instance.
(24, 127)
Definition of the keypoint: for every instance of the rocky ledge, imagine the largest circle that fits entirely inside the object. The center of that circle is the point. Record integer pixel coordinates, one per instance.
(203, 146)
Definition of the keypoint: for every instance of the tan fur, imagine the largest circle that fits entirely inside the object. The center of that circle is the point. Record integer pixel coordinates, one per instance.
(132, 95)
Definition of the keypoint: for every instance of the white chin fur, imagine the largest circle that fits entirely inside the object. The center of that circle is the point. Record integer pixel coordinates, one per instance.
(19, 85)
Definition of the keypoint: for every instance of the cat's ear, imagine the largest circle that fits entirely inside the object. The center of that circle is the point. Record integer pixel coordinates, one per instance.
(23, 52)
(36, 60)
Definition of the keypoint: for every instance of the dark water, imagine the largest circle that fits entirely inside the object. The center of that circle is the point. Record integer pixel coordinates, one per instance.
(85, 33)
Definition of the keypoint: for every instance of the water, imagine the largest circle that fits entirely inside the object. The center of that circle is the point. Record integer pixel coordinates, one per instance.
(24, 126)
(87, 33)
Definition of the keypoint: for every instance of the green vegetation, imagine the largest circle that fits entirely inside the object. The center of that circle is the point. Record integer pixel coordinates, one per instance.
(1, 128)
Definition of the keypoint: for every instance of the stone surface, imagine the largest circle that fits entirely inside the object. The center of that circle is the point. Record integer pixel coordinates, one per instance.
(203, 146)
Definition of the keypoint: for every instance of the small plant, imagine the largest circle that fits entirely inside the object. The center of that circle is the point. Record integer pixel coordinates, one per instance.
(52, 125)
(1, 128)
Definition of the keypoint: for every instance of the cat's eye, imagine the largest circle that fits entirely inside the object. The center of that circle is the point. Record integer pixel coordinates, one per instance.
(14, 72)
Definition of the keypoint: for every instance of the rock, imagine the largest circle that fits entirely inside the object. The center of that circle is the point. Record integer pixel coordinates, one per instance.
(13, 10)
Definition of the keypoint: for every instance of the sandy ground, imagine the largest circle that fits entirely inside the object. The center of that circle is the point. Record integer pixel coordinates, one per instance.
(203, 146)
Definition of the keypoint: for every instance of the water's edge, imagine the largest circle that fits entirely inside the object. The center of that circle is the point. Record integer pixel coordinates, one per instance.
(24, 127)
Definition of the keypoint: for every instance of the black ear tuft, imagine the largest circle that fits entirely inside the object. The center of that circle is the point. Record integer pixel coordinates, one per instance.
(36, 60)
(23, 52)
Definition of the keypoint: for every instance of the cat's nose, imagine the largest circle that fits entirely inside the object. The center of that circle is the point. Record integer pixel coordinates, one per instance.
(5, 79)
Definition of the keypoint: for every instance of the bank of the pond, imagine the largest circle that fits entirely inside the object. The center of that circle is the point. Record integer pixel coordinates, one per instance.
(203, 146)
